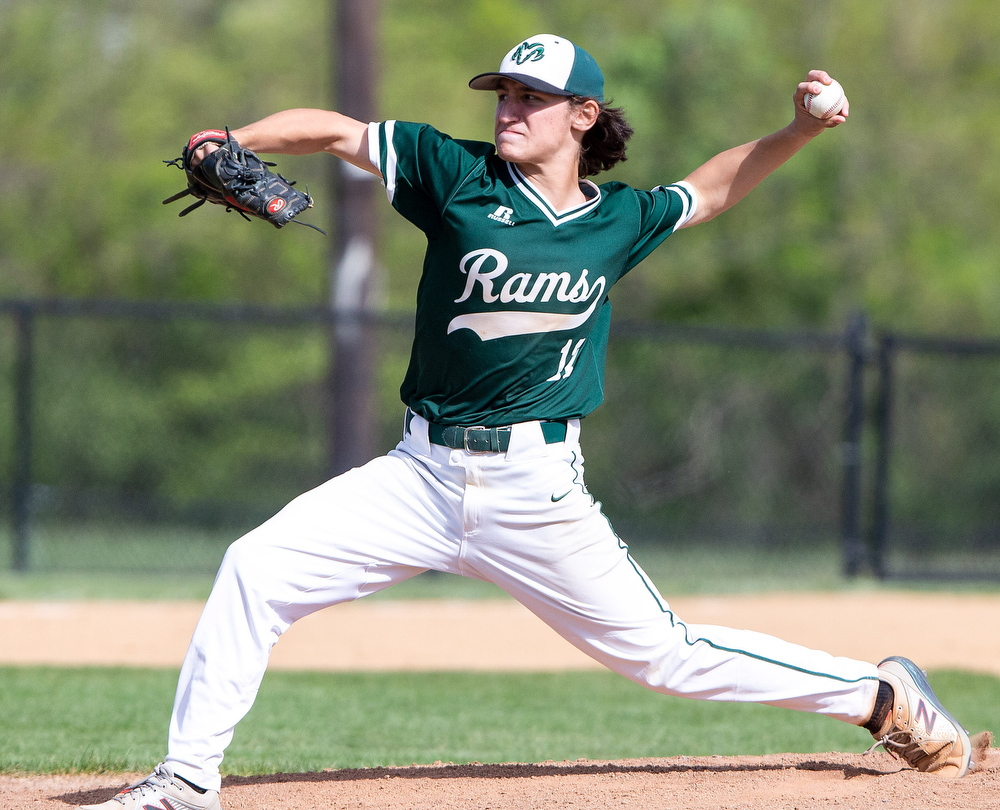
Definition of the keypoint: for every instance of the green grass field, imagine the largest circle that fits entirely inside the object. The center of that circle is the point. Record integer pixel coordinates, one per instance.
(67, 720)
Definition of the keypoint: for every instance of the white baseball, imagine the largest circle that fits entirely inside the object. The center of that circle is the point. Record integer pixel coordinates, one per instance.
(826, 103)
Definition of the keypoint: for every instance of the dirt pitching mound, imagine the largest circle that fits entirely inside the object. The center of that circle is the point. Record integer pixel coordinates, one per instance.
(773, 782)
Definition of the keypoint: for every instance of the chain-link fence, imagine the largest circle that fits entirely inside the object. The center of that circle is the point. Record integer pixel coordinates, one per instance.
(936, 494)
(148, 436)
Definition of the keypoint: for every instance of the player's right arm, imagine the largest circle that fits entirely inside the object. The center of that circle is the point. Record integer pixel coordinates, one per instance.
(306, 131)
(728, 177)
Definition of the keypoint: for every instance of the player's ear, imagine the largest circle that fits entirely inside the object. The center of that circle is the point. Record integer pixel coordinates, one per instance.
(585, 114)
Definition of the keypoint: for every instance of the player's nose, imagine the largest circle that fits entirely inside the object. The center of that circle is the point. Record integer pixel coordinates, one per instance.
(508, 110)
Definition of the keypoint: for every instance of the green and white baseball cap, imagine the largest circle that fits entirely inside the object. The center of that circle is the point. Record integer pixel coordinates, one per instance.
(549, 64)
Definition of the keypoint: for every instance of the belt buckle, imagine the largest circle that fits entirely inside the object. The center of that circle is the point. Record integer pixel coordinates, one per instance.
(465, 440)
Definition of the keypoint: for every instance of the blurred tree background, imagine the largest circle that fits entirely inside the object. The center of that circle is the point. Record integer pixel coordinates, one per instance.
(892, 213)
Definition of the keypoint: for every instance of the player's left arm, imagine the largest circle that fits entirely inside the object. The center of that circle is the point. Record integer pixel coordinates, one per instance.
(728, 177)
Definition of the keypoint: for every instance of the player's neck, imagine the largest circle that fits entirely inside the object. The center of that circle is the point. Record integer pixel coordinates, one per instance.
(560, 188)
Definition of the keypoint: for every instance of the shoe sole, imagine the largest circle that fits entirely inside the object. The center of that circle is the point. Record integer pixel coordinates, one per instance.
(920, 681)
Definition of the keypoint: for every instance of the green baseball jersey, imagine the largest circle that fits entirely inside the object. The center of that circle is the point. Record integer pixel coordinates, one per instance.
(512, 314)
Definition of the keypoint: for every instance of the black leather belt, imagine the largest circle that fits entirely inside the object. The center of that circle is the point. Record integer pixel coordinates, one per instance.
(484, 439)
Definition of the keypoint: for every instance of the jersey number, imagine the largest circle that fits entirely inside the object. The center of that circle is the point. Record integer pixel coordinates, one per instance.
(567, 359)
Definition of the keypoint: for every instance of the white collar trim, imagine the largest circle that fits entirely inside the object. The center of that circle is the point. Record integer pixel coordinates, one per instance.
(538, 199)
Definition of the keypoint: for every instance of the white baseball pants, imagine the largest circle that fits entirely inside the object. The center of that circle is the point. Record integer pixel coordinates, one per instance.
(522, 519)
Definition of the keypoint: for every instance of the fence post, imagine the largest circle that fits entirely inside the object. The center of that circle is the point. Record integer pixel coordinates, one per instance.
(883, 442)
(853, 545)
(24, 376)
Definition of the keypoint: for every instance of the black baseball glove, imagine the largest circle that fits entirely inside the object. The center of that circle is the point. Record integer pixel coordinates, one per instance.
(239, 180)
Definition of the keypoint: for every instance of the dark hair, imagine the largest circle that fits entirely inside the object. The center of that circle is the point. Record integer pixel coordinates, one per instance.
(604, 143)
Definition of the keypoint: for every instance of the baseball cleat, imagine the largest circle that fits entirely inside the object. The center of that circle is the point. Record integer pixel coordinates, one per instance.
(918, 729)
(161, 790)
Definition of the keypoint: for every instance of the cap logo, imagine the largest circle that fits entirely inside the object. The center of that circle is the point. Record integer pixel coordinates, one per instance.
(528, 52)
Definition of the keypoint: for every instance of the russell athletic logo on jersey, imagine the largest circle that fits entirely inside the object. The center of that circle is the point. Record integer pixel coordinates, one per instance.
(485, 270)
(502, 215)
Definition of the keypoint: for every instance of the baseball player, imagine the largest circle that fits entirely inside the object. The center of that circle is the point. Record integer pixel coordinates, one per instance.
(512, 320)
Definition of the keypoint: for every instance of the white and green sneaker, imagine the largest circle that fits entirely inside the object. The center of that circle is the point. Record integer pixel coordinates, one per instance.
(918, 729)
(161, 790)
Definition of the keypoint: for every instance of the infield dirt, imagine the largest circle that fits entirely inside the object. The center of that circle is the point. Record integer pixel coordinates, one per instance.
(937, 630)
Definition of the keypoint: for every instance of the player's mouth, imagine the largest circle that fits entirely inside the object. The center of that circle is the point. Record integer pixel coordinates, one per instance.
(507, 132)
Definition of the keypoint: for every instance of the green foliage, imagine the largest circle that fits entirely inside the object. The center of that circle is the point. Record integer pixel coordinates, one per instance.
(946, 426)
(59, 720)
(892, 212)
(180, 408)
(102, 92)
(725, 436)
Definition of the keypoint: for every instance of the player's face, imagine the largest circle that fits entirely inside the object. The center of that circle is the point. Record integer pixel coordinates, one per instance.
(533, 127)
